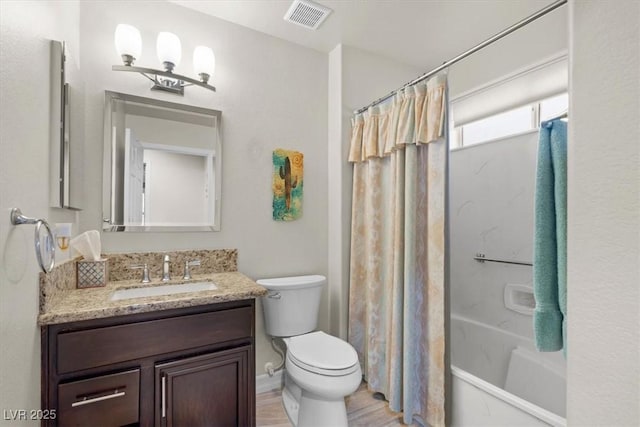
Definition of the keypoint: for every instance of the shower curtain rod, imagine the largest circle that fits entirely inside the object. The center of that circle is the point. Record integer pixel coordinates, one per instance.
(487, 42)
(564, 115)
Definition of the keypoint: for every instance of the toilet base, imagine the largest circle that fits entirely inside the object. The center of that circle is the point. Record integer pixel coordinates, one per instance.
(291, 394)
(306, 409)
(318, 412)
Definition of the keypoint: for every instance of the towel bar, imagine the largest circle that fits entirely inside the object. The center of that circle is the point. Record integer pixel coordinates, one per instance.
(18, 219)
(482, 258)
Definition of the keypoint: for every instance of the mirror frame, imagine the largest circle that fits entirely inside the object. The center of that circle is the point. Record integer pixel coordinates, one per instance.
(60, 132)
(108, 167)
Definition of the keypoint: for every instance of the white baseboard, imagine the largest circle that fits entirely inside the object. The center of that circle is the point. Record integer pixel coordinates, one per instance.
(266, 383)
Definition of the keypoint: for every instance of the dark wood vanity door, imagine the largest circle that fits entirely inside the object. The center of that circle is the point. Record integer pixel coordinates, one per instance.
(209, 390)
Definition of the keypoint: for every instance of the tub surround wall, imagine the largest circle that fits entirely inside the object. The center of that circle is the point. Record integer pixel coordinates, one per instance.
(492, 197)
(492, 188)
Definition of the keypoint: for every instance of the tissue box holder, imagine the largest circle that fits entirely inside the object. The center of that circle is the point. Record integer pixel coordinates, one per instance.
(91, 274)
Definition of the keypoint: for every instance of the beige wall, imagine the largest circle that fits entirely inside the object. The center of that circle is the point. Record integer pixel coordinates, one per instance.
(604, 214)
(541, 39)
(169, 132)
(271, 93)
(26, 28)
(175, 180)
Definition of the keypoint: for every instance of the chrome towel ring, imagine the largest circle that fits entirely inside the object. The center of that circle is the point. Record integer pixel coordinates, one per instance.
(49, 243)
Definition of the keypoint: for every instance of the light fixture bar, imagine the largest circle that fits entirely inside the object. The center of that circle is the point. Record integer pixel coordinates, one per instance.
(158, 85)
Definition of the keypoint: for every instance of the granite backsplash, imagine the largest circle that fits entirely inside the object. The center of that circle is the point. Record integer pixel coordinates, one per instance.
(63, 276)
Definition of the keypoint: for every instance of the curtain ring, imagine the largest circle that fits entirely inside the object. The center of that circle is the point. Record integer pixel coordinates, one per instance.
(49, 246)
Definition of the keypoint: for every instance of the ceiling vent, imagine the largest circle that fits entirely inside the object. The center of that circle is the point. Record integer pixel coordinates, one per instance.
(307, 14)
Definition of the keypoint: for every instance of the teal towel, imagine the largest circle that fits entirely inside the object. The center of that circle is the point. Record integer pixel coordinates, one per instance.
(550, 238)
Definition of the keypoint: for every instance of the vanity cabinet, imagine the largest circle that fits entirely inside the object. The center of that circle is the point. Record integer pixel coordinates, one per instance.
(181, 367)
(202, 388)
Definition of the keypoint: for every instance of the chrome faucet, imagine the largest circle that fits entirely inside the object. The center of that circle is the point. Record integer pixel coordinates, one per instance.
(187, 270)
(145, 271)
(165, 269)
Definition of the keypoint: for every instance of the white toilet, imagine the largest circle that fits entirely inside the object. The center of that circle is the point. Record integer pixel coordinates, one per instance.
(320, 369)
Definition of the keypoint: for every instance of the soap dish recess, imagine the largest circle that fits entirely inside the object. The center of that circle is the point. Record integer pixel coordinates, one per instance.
(519, 298)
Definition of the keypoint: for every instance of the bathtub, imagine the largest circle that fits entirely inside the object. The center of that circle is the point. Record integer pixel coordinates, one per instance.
(499, 379)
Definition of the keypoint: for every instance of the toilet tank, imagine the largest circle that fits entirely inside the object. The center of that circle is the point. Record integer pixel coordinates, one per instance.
(291, 304)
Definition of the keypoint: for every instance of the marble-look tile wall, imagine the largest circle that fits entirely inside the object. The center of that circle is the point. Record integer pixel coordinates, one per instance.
(491, 211)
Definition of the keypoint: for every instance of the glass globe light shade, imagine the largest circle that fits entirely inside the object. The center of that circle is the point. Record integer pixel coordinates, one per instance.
(169, 50)
(128, 43)
(204, 62)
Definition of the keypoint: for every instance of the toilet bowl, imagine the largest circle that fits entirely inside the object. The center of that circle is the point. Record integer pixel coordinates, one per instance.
(320, 370)
(326, 369)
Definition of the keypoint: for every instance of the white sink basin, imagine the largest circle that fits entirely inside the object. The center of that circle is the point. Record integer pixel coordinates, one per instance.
(154, 291)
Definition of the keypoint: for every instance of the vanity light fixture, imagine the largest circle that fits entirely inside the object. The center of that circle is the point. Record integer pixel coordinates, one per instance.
(129, 47)
(204, 62)
(169, 50)
(128, 43)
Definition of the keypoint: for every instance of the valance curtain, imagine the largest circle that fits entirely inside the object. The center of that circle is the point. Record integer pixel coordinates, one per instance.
(396, 304)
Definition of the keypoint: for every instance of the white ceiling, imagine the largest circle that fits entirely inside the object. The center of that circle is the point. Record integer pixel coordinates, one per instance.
(423, 33)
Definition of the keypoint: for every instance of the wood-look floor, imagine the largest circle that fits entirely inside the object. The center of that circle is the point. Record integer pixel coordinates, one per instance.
(363, 409)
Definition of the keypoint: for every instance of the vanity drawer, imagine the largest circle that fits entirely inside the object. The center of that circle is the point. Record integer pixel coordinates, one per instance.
(113, 344)
(108, 400)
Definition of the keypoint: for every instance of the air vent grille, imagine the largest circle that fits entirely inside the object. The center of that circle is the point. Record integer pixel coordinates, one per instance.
(307, 14)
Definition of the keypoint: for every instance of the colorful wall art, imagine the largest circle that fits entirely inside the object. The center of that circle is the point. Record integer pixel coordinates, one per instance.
(287, 184)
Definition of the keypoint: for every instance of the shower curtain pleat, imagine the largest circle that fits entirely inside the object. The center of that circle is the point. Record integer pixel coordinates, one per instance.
(396, 307)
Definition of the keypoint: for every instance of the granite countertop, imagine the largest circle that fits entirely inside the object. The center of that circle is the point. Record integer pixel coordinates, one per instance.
(71, 305)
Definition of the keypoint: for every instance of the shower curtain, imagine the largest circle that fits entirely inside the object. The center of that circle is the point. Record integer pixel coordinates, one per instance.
(396, 296)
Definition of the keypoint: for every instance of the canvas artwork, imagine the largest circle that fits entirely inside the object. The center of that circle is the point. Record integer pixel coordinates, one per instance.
(287, 184)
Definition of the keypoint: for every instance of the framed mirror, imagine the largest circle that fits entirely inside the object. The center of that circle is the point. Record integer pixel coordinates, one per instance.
(161, 165)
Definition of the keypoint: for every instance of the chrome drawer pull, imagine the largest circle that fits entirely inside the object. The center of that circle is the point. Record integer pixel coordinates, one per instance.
(86, 401)
(164, 397)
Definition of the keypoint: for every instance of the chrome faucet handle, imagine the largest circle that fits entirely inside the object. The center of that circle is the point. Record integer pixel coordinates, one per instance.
(165, 269)
(187, 270)
(145, 271)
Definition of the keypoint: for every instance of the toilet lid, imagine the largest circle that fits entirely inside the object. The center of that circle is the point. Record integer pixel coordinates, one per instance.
(322, 351)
